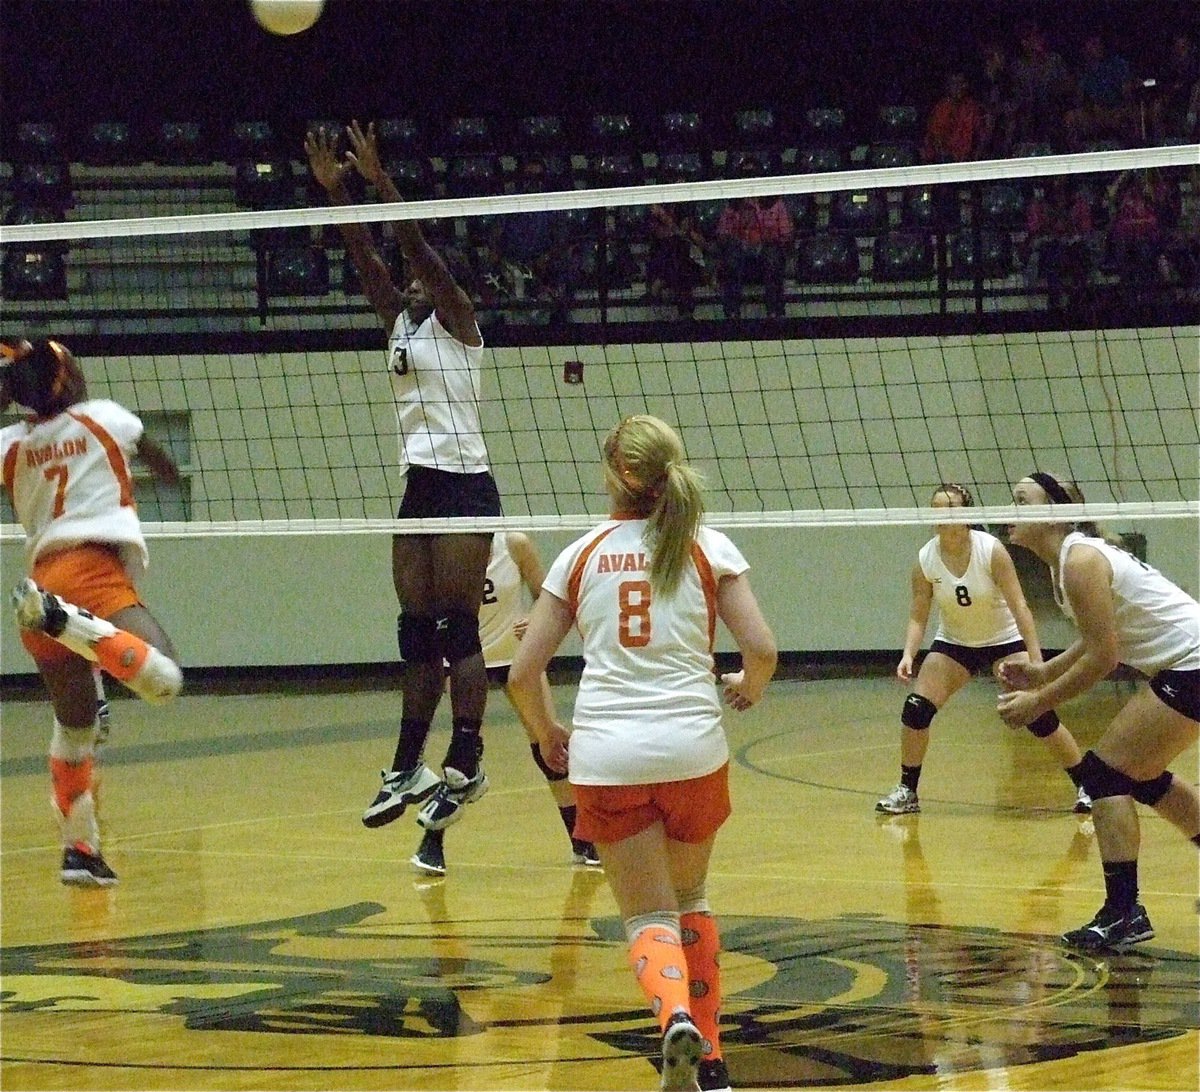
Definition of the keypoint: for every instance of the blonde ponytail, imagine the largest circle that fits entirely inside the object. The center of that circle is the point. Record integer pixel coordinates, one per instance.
(646, 473)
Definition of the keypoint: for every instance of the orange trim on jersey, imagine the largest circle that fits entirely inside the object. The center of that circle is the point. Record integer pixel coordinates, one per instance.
(708, 584)
(10, 467)
(576, 577)
(115, 459)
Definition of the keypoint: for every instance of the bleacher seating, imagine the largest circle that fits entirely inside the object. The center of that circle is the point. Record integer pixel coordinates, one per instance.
(873, 238)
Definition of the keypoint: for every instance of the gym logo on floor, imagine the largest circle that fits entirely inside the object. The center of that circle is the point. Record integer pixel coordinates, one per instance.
(839, 1001)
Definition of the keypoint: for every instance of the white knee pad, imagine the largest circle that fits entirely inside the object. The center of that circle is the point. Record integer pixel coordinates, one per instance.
(158, 680)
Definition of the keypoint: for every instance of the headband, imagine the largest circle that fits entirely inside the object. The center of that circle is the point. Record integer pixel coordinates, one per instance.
(1052, 486)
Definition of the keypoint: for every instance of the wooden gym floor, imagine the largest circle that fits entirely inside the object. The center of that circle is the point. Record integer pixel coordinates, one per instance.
(262, 938)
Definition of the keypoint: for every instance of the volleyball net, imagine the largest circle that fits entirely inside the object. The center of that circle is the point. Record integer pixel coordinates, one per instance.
(243, 341)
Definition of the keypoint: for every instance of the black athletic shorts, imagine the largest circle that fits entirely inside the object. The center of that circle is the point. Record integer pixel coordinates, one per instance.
(442, 494)
(977, 659)
(1180, 690)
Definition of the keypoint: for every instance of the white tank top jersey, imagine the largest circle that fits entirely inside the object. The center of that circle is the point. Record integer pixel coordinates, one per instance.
(647, 709)
(971, 610)
(1158, 623)
(436, 384)
(70, 481)
(503, 603)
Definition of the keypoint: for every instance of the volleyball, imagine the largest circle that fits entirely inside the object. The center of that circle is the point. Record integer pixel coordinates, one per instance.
(286, 16)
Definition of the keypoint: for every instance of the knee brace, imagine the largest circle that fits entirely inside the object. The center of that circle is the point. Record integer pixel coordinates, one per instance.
(547, 773)
(918, 712)
(418, 638)
(1045, 725)
(460, 635)
(1152, 791)
(1099, 779)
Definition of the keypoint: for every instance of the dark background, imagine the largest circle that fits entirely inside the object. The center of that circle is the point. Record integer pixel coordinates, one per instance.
(75, 62)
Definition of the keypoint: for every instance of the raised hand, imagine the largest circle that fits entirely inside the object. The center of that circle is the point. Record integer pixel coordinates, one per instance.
(364, 152)
(322, 151)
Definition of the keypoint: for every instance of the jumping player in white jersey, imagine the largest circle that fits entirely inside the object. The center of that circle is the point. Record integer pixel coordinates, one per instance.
(435, 354)
(1126, 613)
(67, 470)
(648, 756)
(983, 621)
(514, 571)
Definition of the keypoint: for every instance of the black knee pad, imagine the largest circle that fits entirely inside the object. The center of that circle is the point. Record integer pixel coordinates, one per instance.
(419, 640)
(1045, 725)
(918, 712)
(1099, 779)
(460, 635)
(1152, 791)
(549, 774)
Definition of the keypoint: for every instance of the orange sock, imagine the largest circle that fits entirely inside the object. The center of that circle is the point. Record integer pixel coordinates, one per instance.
(658, 962)
(121, 655)
(70, 779)
(701, 947)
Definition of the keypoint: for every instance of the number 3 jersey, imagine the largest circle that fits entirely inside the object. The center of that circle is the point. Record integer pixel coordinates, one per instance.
(70, 481)
(647, 708)
(971, 609)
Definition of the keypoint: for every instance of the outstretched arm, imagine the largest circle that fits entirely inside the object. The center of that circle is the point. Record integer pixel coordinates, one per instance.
(330, 172)
(454, 308)
(158, 460)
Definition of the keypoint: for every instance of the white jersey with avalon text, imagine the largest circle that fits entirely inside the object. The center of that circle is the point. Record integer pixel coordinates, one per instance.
(648, 708)
(1157, 622)
(972, 611)
(436, 384)
(70, 482)
(503, 604)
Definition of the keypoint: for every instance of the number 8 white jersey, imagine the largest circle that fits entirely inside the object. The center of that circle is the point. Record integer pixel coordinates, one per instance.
(647, 708)
(70, 481)
(972, 611)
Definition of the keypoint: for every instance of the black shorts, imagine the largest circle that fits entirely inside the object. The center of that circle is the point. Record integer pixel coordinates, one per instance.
(1180, 690)
(977, 659)
(442, 494)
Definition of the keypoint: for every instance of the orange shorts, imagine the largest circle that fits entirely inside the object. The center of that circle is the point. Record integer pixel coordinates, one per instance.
(90, 576)
(690, 811)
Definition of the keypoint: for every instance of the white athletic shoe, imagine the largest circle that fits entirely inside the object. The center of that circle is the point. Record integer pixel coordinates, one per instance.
(900, 801)
(399, 789)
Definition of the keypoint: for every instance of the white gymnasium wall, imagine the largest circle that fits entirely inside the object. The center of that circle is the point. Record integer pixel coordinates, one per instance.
(775, 424)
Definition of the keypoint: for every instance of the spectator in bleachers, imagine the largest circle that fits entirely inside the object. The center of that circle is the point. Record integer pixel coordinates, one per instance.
(1106, 108)
(1191, 124)
(676, 264)
(1181, 247)
(527, 256)
(1042, 87)
(956, 124)
(754, 235)
(1135, 231)
(1059, 240)
(996, 101)
(1169, 104)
